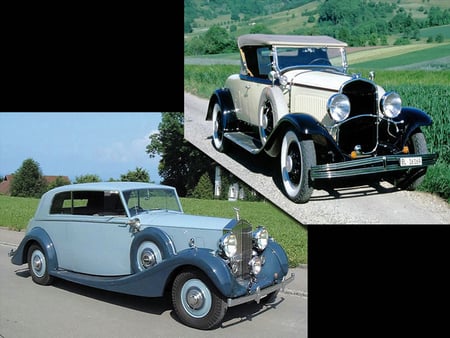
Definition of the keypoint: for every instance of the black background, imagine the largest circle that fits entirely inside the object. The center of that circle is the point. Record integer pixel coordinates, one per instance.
(92, 57)
(363, 280)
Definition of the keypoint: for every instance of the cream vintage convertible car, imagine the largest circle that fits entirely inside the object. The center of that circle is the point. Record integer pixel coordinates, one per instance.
(295, 100)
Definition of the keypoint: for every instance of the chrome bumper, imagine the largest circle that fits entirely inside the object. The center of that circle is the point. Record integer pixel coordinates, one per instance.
(369, 165)
(259, 294)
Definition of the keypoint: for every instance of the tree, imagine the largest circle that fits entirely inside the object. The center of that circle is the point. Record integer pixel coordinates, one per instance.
(59, 182)
(139, 175)
(204, 188)
(181, 164)
(28, 180)
(88, 178)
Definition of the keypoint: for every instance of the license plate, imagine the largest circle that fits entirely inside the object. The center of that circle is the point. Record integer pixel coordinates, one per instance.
(410, 161)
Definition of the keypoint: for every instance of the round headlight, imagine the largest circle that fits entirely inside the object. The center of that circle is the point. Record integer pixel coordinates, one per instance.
(338, 107)
(260, 238)
(391, 104)
(228, 244)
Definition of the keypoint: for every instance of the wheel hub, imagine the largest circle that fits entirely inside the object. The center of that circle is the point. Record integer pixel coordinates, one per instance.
(195, 298)
(37, 263)
(264, 121)
(148, 258)
(289, 163)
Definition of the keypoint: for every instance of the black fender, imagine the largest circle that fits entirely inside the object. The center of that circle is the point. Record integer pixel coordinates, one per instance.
(40, 236)
(155, 235)
(414, 119)
(306, 126)
(223, 97)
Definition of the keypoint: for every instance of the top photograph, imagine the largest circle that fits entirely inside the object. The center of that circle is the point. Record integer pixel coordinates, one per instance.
(306, 113)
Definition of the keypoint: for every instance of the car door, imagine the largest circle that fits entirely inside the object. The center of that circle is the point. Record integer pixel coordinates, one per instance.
(99, 240)
(254, 85)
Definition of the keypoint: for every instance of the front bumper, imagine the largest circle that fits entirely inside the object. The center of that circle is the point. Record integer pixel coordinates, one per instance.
(372, 165)
(258, 294)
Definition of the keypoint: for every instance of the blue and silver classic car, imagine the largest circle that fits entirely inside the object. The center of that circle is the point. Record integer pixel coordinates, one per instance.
(134, 238)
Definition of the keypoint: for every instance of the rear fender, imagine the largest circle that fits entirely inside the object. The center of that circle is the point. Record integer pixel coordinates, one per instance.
(40, 236)
(223, 97)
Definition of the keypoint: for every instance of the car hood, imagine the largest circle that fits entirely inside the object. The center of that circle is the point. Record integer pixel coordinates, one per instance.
(182, 220)
(317, 79)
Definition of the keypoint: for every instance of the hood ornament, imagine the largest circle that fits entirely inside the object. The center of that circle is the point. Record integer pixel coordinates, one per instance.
(237, 213)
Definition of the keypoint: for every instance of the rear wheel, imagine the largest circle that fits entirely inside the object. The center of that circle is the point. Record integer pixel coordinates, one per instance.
(38, 265)
(196, 301)
(413, 177)
(219, 142)
(271, 107)
(296, 159)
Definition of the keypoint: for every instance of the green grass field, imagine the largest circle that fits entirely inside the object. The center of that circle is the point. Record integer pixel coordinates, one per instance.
(15, 212)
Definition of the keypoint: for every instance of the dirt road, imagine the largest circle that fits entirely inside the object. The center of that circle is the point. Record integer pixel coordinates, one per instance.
(364, 204)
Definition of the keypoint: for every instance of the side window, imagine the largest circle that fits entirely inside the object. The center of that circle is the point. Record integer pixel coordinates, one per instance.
(264, 61)
(100, 203)
(62, 203)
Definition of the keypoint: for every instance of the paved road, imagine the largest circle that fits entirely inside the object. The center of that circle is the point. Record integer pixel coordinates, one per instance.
(69, 310)
(363, 204)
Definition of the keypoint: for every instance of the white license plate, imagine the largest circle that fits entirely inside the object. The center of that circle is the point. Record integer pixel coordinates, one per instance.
(410, 161)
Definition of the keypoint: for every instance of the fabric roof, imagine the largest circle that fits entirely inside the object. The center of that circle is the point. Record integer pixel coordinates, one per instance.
(289, 40)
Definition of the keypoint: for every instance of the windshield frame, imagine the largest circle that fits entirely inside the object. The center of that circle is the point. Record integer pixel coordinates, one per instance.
(148, 200)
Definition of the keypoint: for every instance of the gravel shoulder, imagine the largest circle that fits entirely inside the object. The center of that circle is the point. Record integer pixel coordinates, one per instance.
(362, 204)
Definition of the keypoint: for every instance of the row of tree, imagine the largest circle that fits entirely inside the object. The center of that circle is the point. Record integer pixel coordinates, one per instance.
(29, 180)
(182, 166)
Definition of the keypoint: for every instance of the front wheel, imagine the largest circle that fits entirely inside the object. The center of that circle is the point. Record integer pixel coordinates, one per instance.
(196, 301)
(296, 159)
(38, 265)
(413, 177)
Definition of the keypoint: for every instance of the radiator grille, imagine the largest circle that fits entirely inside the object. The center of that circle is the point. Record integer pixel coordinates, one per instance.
(243, 232)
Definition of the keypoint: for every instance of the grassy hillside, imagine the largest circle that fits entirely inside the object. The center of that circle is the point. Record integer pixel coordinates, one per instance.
(285, 22)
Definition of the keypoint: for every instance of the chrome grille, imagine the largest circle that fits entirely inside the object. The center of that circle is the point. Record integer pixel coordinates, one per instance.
(243, 233)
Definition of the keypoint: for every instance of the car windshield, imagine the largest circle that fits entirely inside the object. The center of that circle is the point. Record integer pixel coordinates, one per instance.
(308, 56)
(148, 200)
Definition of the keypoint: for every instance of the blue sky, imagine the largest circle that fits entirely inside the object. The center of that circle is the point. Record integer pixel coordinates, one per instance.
(75, 144)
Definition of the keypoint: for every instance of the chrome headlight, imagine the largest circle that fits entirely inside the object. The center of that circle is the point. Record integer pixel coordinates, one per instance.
(391, 104)
(260, 238)
(228, 244)
(338, 107)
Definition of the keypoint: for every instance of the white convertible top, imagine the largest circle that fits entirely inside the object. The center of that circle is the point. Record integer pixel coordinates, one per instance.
(289, 40)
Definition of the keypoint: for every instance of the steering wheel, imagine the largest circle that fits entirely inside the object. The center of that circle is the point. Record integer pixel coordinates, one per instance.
(321, 61)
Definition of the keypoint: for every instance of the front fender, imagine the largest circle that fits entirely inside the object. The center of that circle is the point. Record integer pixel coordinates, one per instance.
(414, 118)
(306, 126)
(40, 236)
(154, 281)
(214, 267)
(223, 97)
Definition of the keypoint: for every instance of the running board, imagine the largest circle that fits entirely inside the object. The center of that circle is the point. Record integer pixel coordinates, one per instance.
(247, 142)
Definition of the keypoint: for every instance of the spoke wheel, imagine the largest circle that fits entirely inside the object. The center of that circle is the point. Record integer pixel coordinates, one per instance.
(413, 177)
(219, 141)
(296, 159)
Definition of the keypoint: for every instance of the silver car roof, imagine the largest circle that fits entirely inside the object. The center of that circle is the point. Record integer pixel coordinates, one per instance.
(289, 40)
(119, 186)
